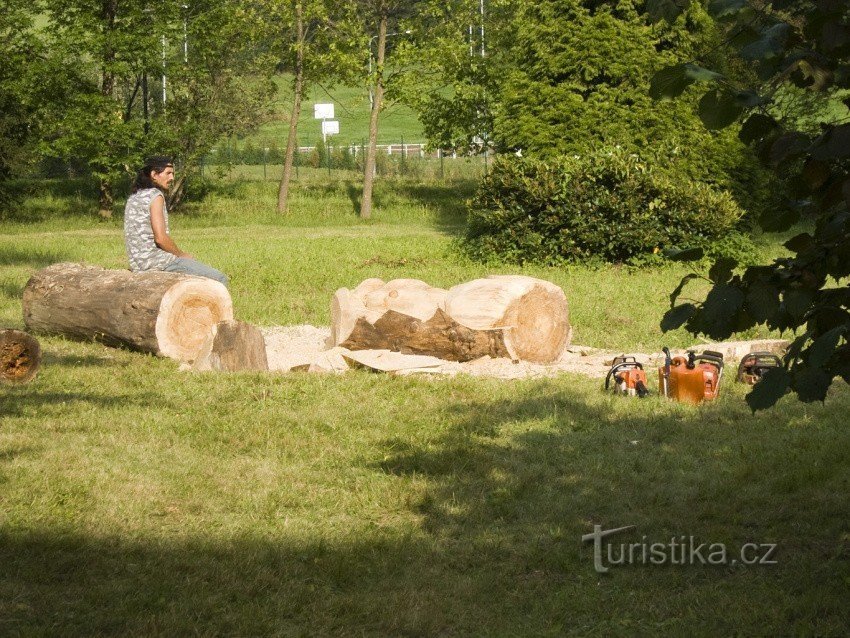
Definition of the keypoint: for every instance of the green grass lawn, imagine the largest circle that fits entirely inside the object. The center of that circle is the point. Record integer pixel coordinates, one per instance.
(139, 500)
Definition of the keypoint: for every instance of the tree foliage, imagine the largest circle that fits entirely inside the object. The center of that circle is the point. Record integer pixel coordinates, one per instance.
(115, 59)
(805, 45)
(608, 205)
(566, 76)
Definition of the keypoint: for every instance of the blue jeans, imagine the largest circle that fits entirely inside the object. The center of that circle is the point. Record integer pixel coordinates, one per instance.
(193, 267)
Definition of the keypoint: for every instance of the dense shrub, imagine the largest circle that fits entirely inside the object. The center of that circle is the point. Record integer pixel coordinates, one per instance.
(608, 205)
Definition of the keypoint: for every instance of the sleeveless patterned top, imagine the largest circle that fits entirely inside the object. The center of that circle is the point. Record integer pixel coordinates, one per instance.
(142, 251)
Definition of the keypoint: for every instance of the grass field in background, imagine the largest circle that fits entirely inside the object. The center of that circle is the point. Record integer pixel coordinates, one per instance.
(139, 500)
(351, 109)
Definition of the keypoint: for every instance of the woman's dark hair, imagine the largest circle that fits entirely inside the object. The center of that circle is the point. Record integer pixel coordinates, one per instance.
(143, 179)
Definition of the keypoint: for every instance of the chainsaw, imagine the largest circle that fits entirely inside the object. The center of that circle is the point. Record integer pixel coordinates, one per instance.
(755, 364)
(693, 379)
(628, 376)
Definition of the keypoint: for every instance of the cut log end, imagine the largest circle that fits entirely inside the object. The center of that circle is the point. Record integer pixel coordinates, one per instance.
(187, 314)
(540, 327)
(20, 356)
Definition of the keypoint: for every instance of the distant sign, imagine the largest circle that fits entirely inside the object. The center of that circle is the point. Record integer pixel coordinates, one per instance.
(330, 127)
(323, 111)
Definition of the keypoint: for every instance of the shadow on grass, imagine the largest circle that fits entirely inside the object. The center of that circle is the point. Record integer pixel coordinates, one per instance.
(10, 256)
(447, 200)
(10, 454)
(11, 291)
(355, 195)
(18, 401)
(53, 359)
(498, 551)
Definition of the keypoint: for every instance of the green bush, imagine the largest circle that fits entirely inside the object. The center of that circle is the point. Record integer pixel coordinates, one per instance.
(608, 205)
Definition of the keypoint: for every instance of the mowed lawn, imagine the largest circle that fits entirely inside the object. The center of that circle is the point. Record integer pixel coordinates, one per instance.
(136, 499)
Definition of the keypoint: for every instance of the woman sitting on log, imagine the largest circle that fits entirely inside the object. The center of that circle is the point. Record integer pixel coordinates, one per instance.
(146, 234)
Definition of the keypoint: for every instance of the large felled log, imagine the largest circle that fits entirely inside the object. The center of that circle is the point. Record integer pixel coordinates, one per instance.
(534, 312)
(20, 356)
(504, 316)
(233, 346)
(168, 314)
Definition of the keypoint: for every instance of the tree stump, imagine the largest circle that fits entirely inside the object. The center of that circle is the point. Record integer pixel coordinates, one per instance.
(233, 346)
(502, 316)
(167, 314)
(20, 356)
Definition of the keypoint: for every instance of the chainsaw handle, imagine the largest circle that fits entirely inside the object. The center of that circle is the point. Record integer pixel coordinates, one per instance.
(617, 366)
(712, 357)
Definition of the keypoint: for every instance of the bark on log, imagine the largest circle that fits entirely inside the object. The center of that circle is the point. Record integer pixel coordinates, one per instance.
(439, 336)
(501, 316)
(20, 356)
(233, 346)
(163, 313)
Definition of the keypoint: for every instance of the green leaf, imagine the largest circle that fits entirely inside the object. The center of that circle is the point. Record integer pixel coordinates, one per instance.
(757, 127)
(773, 385)
(815, 173)
(676, 317)
(793, 351)
(822, 348)
(718, 315)
(811, 384)
(721, 270)
(797, 302)
(701, 74)
(834, 144)
(718, 110)
(749, 99)
(724, 8)
(770, 45)
(667, 10)
(675, 294)
(799, 243)
(762, 301)
(684, 254)
(669, 82)
(778, 220)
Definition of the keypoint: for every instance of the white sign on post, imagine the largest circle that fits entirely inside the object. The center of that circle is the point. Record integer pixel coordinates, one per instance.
(330, 127)
(323, 111)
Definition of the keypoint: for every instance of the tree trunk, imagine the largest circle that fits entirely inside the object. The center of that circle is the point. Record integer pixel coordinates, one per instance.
(109, 10)
(164, 313)
(372, 149)
(292, 139)
(106, 199)
(177, 192)
(20, 356)
(233, 346)
(502, 316)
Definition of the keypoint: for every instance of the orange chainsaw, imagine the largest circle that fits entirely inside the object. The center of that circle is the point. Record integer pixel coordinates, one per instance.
(755, 364)
(693, 379)
(628, 376)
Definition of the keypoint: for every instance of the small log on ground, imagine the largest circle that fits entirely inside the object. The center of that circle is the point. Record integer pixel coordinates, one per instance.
(373, 298)
(439, 336)
(233, 346)
(163, 313)
(534, 313)
(501, 316)
(20, 356)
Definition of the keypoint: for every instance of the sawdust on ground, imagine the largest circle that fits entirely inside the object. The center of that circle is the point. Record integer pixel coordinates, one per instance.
(297, 347)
